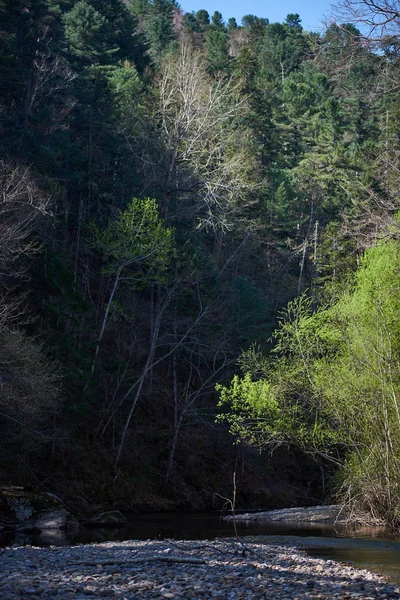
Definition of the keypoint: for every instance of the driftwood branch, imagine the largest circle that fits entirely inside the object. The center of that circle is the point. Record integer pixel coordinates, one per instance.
(141, 559)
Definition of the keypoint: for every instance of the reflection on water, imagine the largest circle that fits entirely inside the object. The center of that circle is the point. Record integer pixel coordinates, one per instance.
(366, 547)
(178, 526)
(385, 561)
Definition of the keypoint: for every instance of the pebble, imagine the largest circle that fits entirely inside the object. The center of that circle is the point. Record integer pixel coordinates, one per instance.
(222, 569)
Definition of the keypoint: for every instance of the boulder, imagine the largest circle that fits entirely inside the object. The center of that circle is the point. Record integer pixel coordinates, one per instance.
(15, 506)
(112, 518)
(27, 510)
(59, 519)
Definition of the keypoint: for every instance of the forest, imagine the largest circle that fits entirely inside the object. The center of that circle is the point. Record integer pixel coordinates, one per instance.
(199, 255)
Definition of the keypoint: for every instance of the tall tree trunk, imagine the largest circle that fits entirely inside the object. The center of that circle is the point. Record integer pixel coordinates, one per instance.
(150, 363)
(147, 367)
(177, 420)
(105, 318)
(78, 238)
(305, 245)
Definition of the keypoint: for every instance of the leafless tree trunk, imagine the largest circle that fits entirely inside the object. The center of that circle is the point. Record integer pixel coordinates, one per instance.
(49, 79)
(304, 249)
(150, 363)
(105, 318)
(183, 404)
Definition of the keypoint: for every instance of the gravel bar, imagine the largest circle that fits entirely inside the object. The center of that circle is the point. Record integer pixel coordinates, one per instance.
(155, 569)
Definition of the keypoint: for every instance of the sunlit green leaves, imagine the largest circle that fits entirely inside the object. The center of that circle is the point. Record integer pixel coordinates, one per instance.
(334, 382)
(136, 240)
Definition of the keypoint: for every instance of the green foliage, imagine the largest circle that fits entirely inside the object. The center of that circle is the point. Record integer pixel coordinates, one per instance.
(156, 22)
(217, 50)
(282, 50)
(86, 32)
(217, 21)
(294, 22)
(273, 154)
(203, 18)
(159, 34)
(126, 86)
(336, 383)
(232, 24)
(190, 22)
(252, 22)
(256, 412)
(137, 240)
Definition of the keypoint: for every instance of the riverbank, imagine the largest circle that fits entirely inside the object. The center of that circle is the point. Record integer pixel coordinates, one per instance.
(222, 569)
(328, 514)
(332, 513)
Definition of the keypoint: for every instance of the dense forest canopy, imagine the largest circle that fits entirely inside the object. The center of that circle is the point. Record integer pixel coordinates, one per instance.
(187, 202)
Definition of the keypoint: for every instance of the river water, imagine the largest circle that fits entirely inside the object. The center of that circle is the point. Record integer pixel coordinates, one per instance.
(371, 548)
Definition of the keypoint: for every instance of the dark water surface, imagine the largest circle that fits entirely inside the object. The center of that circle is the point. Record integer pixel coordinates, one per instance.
(371, 548)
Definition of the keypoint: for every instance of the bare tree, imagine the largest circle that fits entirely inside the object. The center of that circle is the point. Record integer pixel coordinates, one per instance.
(203, 159)
(21, 203)
(378, 20)
(201, 379)
(29, 382)
(49, 80)
(208, 149)
(134, 392)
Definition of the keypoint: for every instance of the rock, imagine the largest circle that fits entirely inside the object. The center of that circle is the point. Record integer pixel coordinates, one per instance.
(27, 510)
(71, 573)
(15, 505)
(112, 518)
(18, 505)
(50, 519)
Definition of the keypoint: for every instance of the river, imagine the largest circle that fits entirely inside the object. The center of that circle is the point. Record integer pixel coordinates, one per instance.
(372, 548)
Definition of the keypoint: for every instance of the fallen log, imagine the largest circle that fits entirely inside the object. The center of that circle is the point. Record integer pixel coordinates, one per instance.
(140, 559)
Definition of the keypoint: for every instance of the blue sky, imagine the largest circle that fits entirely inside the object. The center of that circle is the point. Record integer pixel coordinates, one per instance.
(312, 12)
